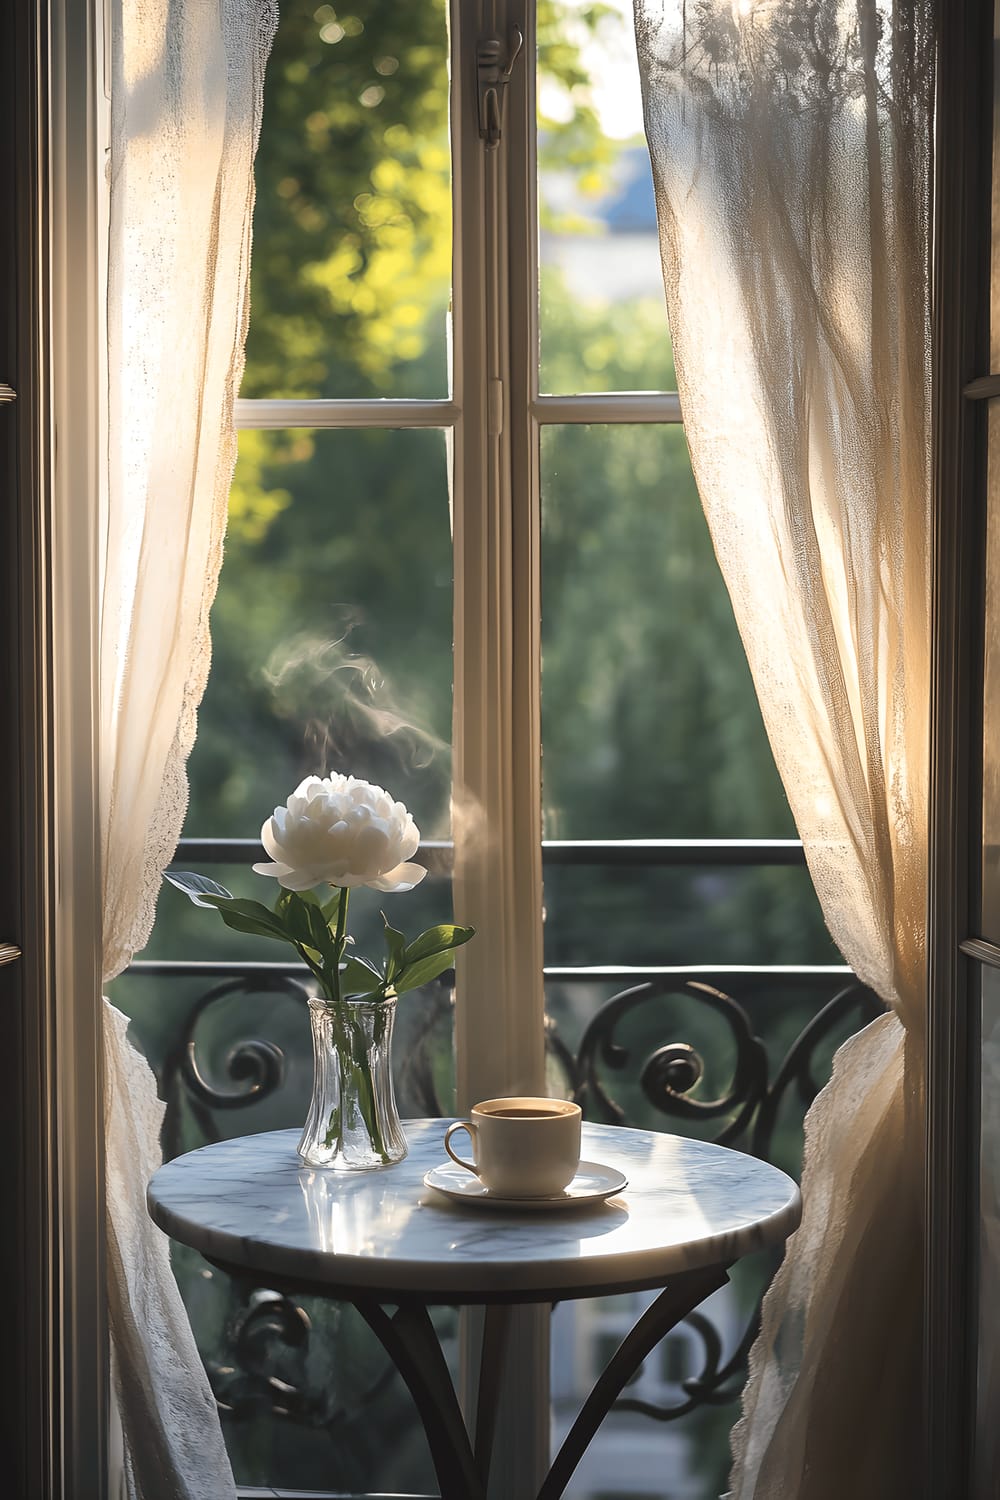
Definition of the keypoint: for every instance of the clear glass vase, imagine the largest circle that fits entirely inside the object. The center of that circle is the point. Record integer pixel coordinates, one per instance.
(353, 1124)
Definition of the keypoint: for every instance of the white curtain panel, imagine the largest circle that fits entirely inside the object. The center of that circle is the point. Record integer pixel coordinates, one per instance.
(791, 152)
(187, 82)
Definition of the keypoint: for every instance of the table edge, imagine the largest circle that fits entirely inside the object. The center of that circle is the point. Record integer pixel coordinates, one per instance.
(483, 1280)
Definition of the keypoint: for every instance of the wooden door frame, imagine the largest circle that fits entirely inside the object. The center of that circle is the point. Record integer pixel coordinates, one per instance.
(53, 1422)
(963, 132)
(53, 1418)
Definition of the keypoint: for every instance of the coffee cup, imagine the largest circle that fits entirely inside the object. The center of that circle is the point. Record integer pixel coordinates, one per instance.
(522, 1147)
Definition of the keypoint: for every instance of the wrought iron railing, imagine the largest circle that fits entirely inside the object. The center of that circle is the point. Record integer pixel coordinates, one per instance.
(631, 1064)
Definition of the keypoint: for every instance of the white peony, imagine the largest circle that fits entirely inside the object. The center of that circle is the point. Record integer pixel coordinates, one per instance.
(343, 832)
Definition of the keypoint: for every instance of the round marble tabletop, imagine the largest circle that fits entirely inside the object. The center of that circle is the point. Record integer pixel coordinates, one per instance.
(251, 1203)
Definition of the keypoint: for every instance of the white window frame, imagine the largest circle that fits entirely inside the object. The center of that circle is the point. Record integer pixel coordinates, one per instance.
(494, 415)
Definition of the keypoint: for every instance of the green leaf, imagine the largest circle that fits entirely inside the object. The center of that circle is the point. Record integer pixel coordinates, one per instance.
(309, 897)
(291, 912)
(255, 909)
(323, 939)
(329, 908)
(359, 977)
(364, 1086)
(250, 916)
(443, 939)
(333, 1131)
(306, 926)
(196, 886)
(423, 971)
(395, 944)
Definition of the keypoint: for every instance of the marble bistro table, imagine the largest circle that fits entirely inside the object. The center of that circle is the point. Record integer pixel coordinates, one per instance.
(383, 1240)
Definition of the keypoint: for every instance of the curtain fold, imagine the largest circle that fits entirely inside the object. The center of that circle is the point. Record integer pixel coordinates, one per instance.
(790, 142)
(187, 84)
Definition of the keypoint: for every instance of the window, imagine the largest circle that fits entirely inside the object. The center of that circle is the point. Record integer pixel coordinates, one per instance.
(465, 559)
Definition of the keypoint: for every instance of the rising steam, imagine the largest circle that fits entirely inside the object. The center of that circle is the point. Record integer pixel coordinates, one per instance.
(351, 719)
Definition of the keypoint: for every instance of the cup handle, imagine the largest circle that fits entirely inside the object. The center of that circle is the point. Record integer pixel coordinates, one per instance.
(469, 1126)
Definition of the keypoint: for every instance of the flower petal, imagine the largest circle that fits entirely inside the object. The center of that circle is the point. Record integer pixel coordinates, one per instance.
(403, 878)
(269, 838)
(301, 880)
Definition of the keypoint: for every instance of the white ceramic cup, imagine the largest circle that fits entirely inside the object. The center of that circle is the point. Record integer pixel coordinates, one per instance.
(522, 1147)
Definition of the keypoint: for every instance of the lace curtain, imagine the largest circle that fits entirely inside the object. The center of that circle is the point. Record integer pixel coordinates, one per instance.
(790, 142)
(187, 82)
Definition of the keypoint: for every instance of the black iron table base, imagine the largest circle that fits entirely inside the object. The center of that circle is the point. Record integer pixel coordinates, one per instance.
(461, 1458)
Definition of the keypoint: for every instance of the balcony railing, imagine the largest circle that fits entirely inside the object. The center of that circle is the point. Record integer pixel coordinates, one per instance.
(700, 1050)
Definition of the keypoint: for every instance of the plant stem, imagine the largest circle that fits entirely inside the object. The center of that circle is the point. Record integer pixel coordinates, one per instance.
(338, 941)
(357, 1086)
(338, 1124)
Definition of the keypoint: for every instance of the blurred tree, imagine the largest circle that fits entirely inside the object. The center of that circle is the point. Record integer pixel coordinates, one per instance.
(332, 624)
(352, 239)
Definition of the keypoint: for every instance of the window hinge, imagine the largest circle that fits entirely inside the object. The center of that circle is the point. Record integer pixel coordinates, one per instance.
(495, 59)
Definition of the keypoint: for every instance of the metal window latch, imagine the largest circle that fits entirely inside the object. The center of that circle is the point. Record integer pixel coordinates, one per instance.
(495, 61)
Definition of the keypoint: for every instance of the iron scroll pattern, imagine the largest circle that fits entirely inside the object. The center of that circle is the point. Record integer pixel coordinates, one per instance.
(631, 1066)
(743, 1113)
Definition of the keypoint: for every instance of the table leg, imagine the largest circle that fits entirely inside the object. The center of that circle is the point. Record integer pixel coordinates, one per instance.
(409, 1339)
(462, 1469)
(681, 1296)
(496, 1327)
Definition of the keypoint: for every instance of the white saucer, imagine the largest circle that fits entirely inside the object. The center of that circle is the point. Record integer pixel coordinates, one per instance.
(592, 1184)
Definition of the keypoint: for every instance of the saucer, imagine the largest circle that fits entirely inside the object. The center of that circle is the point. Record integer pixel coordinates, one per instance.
(592, 1184)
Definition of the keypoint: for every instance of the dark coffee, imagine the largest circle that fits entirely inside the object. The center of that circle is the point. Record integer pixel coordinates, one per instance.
(525, 1114)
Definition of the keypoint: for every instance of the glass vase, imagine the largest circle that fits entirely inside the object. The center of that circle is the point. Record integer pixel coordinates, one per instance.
(353, 1124)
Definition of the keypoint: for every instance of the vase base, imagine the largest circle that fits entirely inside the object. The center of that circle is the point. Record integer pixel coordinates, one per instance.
(337, 1162)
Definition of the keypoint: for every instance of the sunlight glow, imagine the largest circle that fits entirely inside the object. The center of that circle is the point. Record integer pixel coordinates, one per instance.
(609, 57)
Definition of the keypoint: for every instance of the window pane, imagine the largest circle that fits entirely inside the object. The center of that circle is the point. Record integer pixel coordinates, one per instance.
(692, 914)
(332, 627)
(650, 722)
(602, 317)
(352, 226)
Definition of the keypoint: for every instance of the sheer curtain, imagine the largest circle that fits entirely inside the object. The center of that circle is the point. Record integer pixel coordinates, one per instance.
(791, 150)
(187, 82)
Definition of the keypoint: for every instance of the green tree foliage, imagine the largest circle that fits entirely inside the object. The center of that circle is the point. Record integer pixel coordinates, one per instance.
(352, 241)
(332, 626)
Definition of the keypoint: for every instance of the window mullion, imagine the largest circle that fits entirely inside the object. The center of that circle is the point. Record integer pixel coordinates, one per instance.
(608, 407)
(499, 1026)
(497, 826)
(321, 413)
